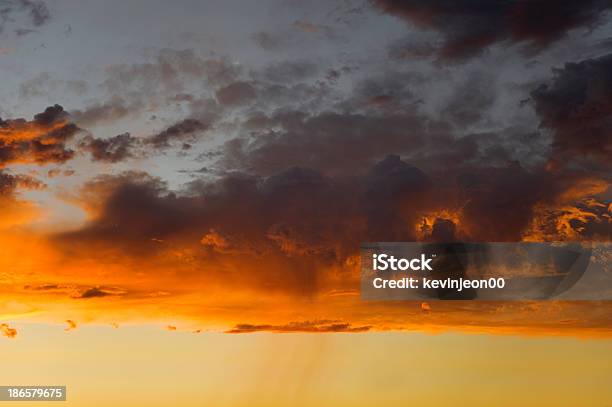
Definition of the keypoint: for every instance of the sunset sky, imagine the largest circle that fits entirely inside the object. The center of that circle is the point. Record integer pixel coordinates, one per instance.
(182, 182)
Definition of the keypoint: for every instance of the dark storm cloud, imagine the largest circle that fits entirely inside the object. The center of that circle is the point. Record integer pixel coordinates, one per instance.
(395, 194)
(496, 178)
(148, 199)
(471, 100)
(302, 326)
(285, 229)
(501, 201)
(113, 149)
(328, 166)
(468, 27)
(301, 212)
(577, 107)
(43, 140)
(136, 207)
(293, 220)
(331, 142)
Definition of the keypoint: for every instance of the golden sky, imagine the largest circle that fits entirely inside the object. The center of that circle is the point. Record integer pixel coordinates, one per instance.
(139, 365)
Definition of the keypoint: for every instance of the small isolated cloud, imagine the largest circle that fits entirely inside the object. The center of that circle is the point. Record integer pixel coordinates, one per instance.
(7, 331)
(170, 328)
(71, 325)
(95, 292)
(320, 326)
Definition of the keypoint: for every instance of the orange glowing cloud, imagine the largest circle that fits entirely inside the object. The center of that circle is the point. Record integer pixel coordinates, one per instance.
(41, 140)
(7, 331)
(245, 254)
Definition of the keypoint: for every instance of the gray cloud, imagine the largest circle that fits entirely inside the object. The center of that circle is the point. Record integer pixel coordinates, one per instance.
(113, 149)
(107, 112)
(32, 13)
(44, 84)
(183, 130)
(235, 94)
(287, 71)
